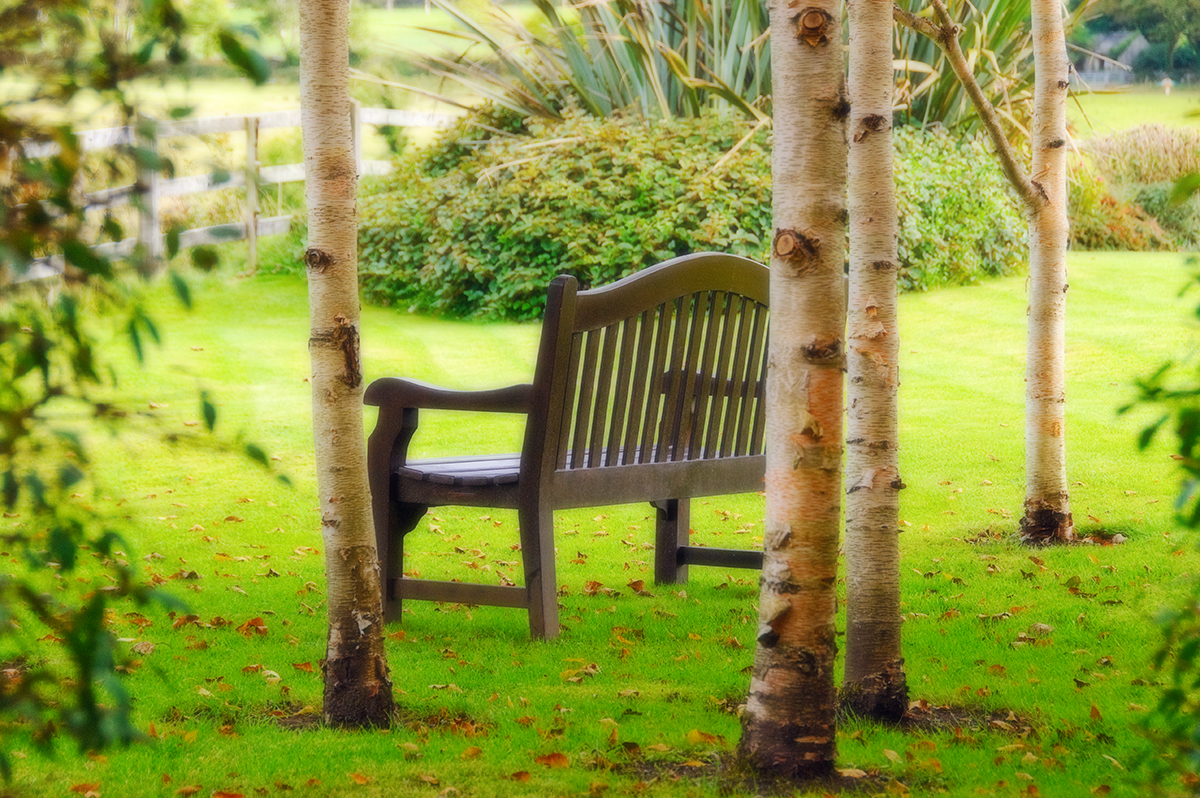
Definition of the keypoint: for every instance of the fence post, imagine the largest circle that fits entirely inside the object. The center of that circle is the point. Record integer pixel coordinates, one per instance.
(252, 175)
(356, 132)
(149, 234)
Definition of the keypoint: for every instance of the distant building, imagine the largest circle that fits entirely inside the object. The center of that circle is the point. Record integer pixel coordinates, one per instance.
(1123, 47)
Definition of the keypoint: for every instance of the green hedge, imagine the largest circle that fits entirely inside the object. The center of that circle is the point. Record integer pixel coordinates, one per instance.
(480, 222)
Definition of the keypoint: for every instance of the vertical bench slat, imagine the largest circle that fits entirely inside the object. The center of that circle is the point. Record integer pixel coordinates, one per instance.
(685, 408)
(604, 397)
(645, 344)
(754, 372)
(583, 405)
(668, 424)
(737, 376)
(720, 392)
(624, 366)
(649, 452)
(572, 377)
(760, 399)
(705, 376)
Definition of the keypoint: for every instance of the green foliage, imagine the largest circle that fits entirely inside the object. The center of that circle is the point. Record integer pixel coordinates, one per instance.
(1124, 196)
(1173, 26)
(659, 59)
(1174, 724)
(997, 39)
(639, 57)
(1099, 221)
(956, 226)
(54, 373)
(1157, 59)
(1180, 218)
(481, 221)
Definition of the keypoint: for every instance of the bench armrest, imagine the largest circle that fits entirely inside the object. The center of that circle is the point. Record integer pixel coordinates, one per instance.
(395, 392)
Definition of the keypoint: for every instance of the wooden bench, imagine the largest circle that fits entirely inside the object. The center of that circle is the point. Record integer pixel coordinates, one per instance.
(649, 389)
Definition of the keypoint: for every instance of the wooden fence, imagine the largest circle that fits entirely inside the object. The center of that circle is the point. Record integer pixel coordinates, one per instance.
(151, 187)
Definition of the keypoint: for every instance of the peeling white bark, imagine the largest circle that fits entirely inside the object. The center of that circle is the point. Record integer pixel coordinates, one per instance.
(874, 673)
(357, 685)
(1047, 493)
(789, 721)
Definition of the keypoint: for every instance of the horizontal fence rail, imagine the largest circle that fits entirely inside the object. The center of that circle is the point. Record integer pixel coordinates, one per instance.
(150, 187)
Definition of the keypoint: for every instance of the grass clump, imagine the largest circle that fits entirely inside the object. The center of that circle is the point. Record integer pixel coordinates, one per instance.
(1147, 154)
(480, 222)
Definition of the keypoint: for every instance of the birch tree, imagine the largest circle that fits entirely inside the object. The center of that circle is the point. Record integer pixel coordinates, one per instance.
(789, 723)
(358, 688)
(875, 683)
(1047, 517)
(1047, 494)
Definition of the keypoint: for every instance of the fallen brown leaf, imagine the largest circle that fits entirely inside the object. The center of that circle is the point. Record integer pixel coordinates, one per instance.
(254, 626)
(554, 760)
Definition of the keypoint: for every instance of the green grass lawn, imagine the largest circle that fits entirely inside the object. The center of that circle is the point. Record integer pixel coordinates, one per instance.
(1142, 104)
(480, 702)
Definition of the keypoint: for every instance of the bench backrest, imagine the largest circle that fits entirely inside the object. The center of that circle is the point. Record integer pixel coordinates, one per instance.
(666, 365)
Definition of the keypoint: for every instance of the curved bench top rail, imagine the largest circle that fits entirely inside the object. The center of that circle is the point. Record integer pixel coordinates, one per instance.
(664, 282)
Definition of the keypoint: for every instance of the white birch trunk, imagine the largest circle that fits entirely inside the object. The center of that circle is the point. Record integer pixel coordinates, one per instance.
(1047, 494)
(789, 724)
(875, 683)
(358, 689)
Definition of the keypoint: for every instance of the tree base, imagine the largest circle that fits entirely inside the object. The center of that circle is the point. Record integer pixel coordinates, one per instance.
(1045, 524)
(781, 765)
(880, 696)
(782, 751)
(358, 693)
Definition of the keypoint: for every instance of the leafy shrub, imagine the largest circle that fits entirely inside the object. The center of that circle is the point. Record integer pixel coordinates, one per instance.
(954, 226)
(1099, 221)
(482, 220)
(1180, 219)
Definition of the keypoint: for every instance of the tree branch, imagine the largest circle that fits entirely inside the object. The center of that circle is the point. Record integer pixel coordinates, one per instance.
(945, 36)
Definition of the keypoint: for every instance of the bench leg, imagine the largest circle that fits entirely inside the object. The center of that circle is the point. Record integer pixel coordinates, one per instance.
(537, 554)
(671, 532)
(402, 519)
